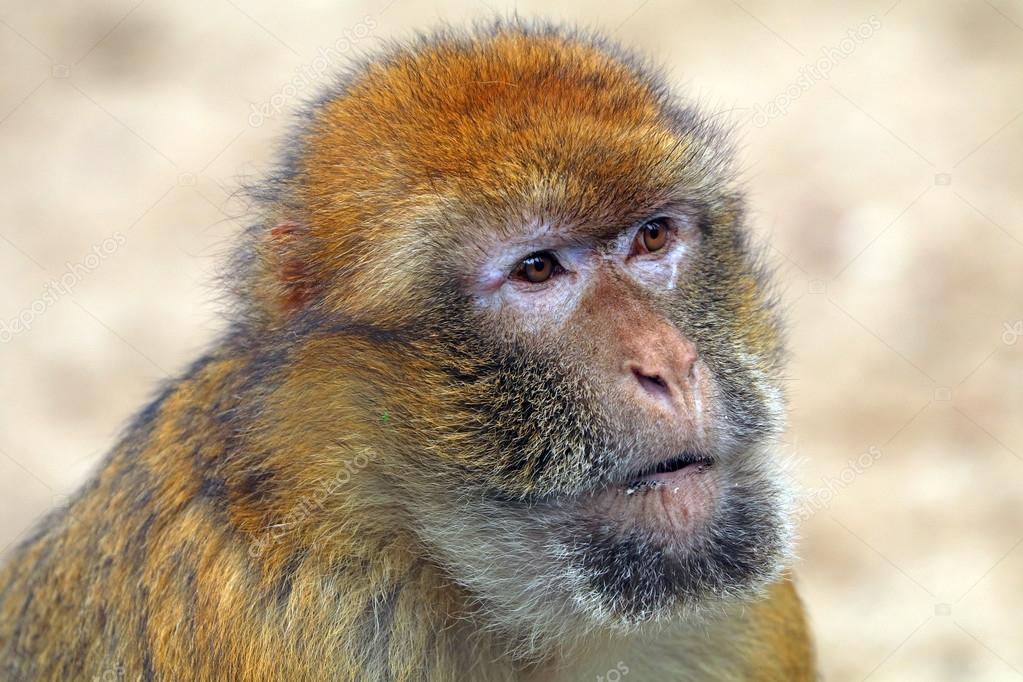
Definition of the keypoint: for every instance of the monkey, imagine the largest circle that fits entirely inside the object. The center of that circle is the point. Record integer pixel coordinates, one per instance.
(497, 400)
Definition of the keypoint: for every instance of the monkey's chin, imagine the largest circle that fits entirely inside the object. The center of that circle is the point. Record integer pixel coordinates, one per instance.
(666, 506)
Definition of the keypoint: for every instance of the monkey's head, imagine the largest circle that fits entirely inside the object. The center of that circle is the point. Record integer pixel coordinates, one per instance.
(523, 268)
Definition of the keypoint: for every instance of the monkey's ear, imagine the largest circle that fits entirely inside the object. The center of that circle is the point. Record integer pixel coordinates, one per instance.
(285, 249)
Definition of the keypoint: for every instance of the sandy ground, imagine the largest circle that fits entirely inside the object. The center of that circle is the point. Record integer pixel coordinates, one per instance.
(882, 144)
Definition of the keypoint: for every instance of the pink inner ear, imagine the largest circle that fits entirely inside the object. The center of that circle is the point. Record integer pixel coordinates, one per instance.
(285, 229)
(291, 271)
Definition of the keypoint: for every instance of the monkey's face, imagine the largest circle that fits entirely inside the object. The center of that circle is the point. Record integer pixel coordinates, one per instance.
(614, 386)
(593, 377)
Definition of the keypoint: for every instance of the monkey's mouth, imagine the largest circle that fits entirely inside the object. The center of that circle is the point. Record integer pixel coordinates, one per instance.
(667, 472)
(671, 500)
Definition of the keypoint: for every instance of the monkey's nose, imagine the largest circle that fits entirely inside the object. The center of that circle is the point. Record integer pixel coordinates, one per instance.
(653, 384)
(665, 373)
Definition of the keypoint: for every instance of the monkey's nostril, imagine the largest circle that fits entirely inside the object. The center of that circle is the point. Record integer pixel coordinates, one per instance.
(652, 383)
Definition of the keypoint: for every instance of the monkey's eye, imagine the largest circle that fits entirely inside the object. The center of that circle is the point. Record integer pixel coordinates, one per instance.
(537, 267)
(652, 236)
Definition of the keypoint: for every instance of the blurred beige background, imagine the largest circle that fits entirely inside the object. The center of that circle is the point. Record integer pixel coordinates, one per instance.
(883, 143)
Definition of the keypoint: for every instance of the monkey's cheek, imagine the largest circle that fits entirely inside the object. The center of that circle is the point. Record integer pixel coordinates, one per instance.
(670, 507)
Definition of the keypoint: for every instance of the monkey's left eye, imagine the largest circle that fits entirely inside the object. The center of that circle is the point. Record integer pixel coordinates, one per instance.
(653, 236)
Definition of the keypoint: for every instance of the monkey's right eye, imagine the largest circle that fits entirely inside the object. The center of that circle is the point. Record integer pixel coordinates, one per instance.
(537, 267)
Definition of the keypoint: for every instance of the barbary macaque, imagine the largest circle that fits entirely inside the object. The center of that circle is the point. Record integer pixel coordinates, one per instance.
(497, 402)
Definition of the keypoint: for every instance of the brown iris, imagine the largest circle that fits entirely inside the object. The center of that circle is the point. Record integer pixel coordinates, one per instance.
(652, 236)
(537, 267)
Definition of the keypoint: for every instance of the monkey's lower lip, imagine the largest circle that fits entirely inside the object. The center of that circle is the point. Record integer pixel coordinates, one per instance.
(672, 499)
